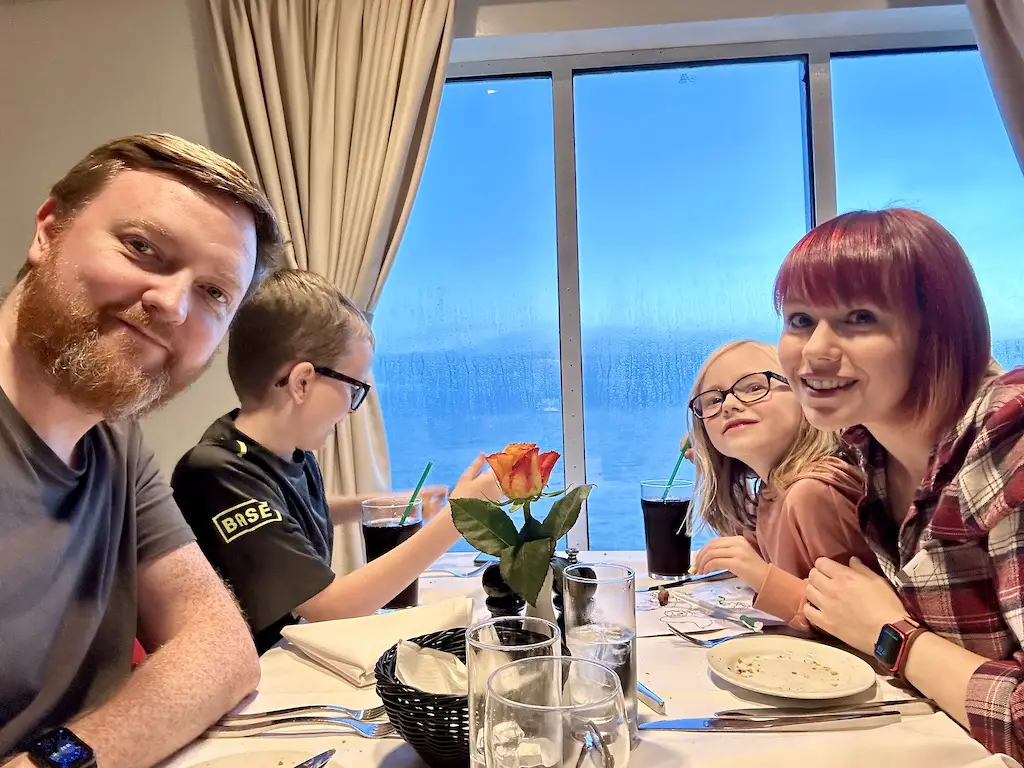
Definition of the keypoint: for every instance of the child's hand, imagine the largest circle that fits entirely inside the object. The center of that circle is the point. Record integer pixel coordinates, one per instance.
(477, 483)
(686, 447)
(733, 553)
(433, 497)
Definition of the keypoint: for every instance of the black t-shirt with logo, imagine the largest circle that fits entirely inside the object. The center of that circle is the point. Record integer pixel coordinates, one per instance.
(262, 521)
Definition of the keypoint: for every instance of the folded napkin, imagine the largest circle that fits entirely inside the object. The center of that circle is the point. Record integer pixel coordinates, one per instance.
(350, 647)
(430, 670)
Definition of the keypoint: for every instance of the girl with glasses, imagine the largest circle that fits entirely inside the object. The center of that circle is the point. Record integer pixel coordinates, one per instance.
(768, 481)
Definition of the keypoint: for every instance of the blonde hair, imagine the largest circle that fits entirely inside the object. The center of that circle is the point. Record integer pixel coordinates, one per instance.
(724, 497)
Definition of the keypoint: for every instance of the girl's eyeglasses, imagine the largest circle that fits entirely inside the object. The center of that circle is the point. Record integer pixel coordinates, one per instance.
(749, 389)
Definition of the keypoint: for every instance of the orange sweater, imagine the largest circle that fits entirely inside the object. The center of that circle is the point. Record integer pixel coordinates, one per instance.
(815, 517)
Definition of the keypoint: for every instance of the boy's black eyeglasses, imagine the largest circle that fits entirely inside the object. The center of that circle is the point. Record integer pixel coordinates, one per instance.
(360, 389)
(749, 389)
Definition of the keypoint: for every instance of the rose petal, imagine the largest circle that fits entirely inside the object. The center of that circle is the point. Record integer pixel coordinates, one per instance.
(547, 462)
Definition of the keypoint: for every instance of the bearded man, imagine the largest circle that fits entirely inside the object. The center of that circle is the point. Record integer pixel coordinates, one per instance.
(141, 256)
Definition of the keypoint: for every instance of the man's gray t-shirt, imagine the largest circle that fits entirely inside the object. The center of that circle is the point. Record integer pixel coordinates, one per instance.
(71, 544)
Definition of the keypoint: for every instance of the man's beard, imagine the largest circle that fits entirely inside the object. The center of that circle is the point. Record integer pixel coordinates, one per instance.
(87, 362)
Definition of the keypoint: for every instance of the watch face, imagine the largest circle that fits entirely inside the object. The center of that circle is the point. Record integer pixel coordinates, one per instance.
(887, 649)
(60, 748)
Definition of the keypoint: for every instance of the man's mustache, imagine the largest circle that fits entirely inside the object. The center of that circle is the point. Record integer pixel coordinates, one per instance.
(138, 316)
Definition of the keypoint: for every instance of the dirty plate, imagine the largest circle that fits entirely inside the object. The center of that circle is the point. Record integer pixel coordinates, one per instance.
(790, 668)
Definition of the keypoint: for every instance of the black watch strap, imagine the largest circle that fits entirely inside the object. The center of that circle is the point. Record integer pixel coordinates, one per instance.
(60, 748)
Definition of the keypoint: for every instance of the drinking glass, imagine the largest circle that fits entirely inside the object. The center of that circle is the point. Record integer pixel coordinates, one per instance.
(554, 712)
(384, 529)
(667, 528)
(492, 644)
(600, 624)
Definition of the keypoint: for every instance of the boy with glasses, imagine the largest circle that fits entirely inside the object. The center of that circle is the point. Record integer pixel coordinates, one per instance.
(299, 354)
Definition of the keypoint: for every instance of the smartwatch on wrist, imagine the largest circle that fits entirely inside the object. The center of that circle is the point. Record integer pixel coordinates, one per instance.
(894, 643)
(60, 748)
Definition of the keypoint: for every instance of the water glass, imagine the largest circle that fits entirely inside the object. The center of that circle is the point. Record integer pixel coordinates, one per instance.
(666, 508)
(600, 624)
(553, 712)
(492, 644)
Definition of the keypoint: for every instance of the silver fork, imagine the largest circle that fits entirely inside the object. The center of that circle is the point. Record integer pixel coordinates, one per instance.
(705, 643)
(372, 713)
(457, 574)
(369, 730)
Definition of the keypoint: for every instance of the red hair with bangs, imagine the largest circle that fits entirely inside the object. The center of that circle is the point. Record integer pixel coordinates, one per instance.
(905, 262)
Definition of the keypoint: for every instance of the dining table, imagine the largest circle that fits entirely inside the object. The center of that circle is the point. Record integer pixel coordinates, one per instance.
(670, 666)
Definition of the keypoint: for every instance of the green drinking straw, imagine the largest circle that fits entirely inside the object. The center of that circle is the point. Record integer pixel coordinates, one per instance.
(419, 485)
(675, 470)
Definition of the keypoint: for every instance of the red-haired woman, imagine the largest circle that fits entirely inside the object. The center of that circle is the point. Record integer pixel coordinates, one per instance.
(886, 336)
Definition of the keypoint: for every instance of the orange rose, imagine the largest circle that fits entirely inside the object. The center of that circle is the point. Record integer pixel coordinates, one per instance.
(522, 470)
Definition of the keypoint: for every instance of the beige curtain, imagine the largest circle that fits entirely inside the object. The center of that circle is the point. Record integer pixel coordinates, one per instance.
(999, 28)
(333, 103)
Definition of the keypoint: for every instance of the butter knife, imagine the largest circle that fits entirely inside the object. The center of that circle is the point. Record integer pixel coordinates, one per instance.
(689, 579)
(319, 761)
(838, 722)
(650, 698)
(904, 706)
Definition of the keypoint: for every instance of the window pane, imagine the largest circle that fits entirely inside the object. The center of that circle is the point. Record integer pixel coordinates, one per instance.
(692, 186)
(922, 130)
(467, 327)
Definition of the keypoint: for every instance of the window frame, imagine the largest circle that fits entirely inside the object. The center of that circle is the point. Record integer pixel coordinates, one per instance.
(821, 170)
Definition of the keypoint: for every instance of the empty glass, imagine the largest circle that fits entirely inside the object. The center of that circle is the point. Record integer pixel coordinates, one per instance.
(492, 644)
(554, 712)
(600, 624)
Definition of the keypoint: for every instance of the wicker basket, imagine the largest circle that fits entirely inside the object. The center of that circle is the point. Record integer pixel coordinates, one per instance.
(436, 726)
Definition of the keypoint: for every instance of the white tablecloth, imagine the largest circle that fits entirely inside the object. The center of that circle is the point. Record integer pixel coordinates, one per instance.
(672, 668)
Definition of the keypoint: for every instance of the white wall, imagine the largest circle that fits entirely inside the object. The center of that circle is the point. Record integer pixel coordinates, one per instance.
(76, 73)
(502, 29)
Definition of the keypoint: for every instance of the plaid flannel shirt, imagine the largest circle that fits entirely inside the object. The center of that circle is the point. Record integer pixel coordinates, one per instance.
(957, 561)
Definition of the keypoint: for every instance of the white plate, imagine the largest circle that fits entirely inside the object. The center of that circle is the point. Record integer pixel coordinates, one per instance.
(790, 668)
(271, 759)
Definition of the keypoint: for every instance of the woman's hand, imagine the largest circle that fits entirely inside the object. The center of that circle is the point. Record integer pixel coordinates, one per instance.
(852, 603)
(735, 554)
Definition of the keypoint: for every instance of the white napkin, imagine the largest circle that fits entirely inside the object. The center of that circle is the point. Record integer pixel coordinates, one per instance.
(430, 670)
(351, 647)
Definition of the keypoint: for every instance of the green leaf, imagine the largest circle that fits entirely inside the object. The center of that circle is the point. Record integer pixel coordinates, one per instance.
(564, 512)
(533, 530)
(485, 525)
(524, 568)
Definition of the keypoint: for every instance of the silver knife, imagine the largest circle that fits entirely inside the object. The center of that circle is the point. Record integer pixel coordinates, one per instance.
(904, 706)
(839, 722)
(689, 579)
(650, 698)
(319, 761)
